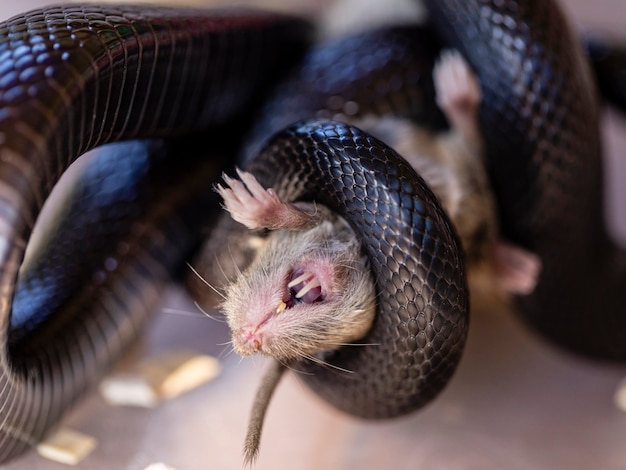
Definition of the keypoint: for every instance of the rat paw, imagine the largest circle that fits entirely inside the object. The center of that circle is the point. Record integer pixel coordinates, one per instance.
(250, 204)
(516, 269)
(457, 89)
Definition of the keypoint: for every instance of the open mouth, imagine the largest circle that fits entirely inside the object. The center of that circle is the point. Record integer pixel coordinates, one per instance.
(304, 287)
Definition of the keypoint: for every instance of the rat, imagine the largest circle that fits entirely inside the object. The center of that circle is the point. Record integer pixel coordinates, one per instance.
(309, 290)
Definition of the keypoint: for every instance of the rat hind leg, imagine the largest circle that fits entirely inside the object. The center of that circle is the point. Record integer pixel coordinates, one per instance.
(458, 94)
(515, 269)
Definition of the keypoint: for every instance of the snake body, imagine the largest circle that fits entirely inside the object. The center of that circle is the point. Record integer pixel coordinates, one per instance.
(540, 122)
(75, 77)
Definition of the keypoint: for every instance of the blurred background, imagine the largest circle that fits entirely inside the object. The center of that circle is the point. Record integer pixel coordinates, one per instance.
(514, 403)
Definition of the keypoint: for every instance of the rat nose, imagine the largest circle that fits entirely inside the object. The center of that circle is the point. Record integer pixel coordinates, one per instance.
(250, 340)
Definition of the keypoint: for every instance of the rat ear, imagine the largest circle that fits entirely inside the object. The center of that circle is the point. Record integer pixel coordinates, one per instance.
(515, 269)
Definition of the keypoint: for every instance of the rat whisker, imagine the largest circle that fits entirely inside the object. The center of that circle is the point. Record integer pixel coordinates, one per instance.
(207, 314)
(378, 294)
(238, 271)
(232, 258)
(184, 313)
(190, 313)
(289, 364)
(241, 359)
(205, 282)
(226, 351)
(300, 372)
(321, 362)
(347, 266)
(221, 268)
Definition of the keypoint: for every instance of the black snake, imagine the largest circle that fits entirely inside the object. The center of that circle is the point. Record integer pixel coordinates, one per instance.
(75, 77)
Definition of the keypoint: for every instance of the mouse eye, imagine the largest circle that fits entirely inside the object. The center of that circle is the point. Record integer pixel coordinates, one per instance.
(305, 287)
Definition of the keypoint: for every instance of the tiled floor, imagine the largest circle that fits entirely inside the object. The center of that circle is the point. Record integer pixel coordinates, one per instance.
(515, 403)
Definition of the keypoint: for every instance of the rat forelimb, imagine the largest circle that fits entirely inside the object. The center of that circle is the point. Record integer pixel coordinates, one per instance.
(256, 207)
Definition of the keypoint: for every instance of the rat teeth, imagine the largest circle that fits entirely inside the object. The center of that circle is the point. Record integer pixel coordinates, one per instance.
(280, 308)
(315, 282)
(306, 287)
(301, 278)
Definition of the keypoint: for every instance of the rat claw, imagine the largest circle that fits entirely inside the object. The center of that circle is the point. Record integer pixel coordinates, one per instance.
(252, 184)
(227, 179)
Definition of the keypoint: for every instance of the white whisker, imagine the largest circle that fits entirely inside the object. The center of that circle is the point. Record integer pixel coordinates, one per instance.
(238, 271)
(184, 313)
(207, 314)
(289, 365)
(193, 270)
(219, 265)
(347, 266)
(327, 364)
(226, 351)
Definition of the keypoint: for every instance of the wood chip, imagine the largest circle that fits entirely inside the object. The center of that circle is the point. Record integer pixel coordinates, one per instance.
(67, 446)
(159, 378)
(620, 396)
(159, 466)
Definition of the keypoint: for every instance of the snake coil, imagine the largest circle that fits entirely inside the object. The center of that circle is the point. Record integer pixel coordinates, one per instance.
(79, 76)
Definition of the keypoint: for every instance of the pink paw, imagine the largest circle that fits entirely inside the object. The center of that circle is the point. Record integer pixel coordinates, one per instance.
(516, 269)
(248, 202)
(457, 89)
(255, 207)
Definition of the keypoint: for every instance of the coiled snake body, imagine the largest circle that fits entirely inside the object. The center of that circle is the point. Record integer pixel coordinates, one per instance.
(75, 77)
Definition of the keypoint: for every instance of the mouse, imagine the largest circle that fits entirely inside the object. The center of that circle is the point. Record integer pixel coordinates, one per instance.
(308, 289)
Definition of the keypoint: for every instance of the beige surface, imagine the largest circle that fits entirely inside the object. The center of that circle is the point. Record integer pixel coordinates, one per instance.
(515, 403)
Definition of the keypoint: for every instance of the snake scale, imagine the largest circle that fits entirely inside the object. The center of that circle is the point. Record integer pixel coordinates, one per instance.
(79, 76)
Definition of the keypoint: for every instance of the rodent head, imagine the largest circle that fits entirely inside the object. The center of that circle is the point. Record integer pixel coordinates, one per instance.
(306, 292)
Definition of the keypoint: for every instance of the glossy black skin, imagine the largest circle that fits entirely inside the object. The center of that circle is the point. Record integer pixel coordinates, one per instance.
(77, 77)
(541, 127)
(608, 61)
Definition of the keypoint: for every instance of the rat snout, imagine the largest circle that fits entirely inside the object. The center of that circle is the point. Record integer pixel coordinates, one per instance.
(250, 338)
(247, 341)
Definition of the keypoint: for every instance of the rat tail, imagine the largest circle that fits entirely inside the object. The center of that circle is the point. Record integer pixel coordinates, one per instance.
(259, 407)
